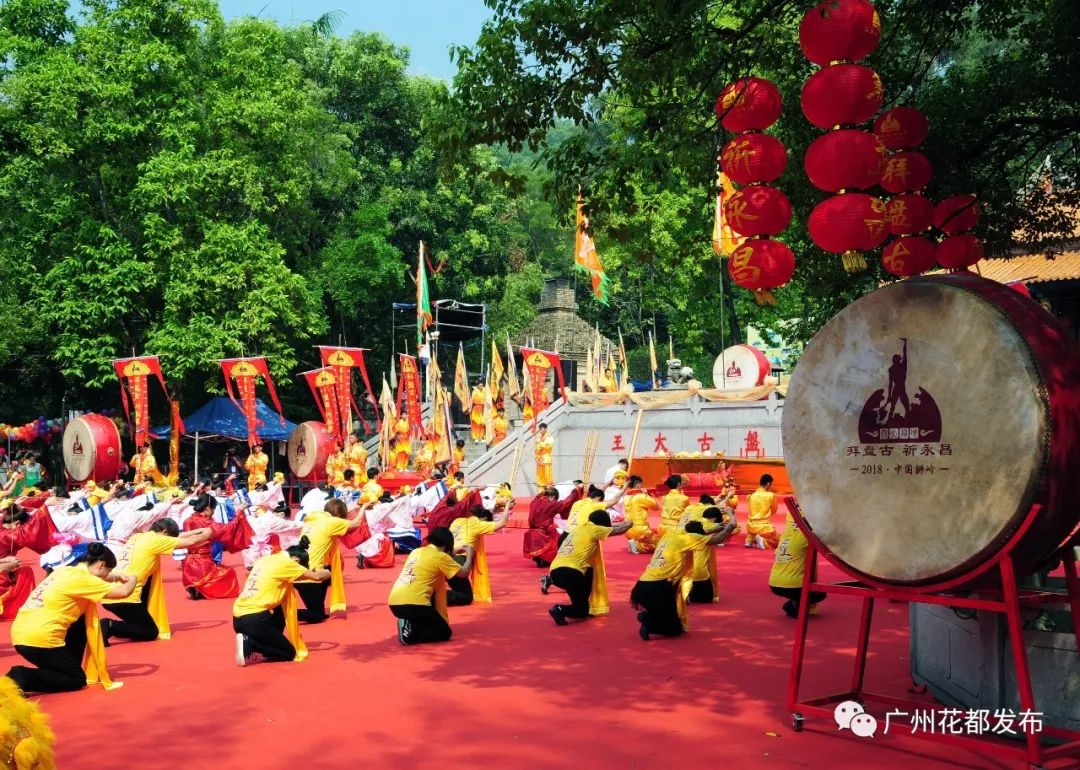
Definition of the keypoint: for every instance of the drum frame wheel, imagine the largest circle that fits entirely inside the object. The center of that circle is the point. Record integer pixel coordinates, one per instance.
(1008, 600)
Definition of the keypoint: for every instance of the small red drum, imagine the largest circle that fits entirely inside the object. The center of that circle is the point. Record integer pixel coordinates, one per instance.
(740, 367)
(932, 427)
(309, 447)
(92, 449)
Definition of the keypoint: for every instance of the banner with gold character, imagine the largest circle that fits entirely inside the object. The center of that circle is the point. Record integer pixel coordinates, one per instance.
(537, 365)
(133, 393)
(244, 371)
(323, 386)
(344, 360)
(409, 392)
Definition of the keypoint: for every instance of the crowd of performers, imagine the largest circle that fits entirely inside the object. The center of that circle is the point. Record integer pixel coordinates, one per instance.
(102, 547)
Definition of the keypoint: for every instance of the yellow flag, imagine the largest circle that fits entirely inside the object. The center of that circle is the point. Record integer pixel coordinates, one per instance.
(652, 359)
(496, 370)
(386, 401)
(511, 371)
(441, 419)
(461, 381)
(589, 381)
(724, 239)
(622, 359)
(489, 416)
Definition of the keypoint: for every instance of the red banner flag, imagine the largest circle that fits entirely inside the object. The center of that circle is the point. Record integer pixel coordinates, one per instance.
(538, 363)
(343, 360)
(244, 371)
(323, 386)
(409, 392)
(133, 373)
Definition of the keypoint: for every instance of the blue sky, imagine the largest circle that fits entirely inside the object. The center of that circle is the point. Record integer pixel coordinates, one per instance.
(427, 27)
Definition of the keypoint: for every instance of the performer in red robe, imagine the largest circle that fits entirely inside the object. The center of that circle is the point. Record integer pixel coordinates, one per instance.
(201, 576)
(456, 505)
(22, 531)
(541, 541)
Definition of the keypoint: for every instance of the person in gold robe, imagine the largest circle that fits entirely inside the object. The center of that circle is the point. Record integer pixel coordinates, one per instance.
(638, 504)
(459, 457)
(500, 427)
(255, 465)
(424, 462)
(356, 456)
(476, 415)
(402, 447)
(146, 469)
(336, 464)
(545, 446)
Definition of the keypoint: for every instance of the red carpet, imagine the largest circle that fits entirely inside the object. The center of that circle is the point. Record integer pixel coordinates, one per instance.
(511, 690)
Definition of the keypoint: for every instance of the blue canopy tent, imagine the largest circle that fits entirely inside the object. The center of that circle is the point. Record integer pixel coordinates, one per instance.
(219, 419)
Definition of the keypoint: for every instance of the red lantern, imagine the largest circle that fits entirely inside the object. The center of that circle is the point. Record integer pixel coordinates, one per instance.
(842, 94)
(845, 160)
(907, 171)
(958, 252)
(758, 210)
(748, 104)
(910, 213)
(909, 256)
(849, 225)
(956, 214)
(753, 157)
(902, 128)
(839, 29)
(761, 264)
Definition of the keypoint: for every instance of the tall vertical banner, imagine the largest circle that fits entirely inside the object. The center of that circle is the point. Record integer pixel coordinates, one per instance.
(133, 373)
(386, 402)
(443, 426)
(511, 370)
(324, 387)
(344, 360)
(538, 363)
(423, 298)
(409, 392)
(496, 370)
(461, 381)
(244, 371)
(585, 255)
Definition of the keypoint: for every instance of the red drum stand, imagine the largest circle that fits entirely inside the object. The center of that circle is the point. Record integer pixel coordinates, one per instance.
(1007, 599)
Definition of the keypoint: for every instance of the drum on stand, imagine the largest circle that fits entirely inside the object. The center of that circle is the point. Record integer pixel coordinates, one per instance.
(309, 447)
(92, 449)
(932, 426)
(740, 367)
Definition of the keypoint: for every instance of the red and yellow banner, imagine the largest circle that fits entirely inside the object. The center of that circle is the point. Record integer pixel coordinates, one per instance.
(537, 364)
(244, 371)
(409, 392)
(343, 361)
(323, 384)
(133, 393)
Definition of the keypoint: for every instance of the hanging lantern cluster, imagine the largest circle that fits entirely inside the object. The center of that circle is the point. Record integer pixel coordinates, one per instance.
(907, 172)
(956, 216)
(757, 211)
(847, 160)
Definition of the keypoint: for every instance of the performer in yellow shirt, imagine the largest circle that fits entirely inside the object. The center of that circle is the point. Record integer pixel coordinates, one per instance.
(500, 426)
(638, 505)
(476, 415)
(579, 570)
(264, 615)
(459, 458)
(702, 586)
(763, 505)
(255, 465)
(146, 470)
(143, 615)
(582, 509)
(402, 447)
(418, 598)
(657, 593)
(356, 456)
(424, 462)
(545, 446)
(372, 490)
(469, 531)
(674, 504)
(336, 464)
(789, 565)
(57, 628)
(323, 529)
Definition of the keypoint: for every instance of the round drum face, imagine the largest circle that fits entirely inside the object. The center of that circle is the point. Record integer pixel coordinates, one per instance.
(80, 449)
(740, 367)
(915, 432)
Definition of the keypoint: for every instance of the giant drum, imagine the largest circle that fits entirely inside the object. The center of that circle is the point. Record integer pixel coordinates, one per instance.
(932, 426)
(309, 447)
(92, 449)
(740, 367)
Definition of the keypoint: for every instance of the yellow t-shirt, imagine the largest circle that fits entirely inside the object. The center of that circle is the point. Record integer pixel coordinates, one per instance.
(692, 513)
(581, 510)
(321, 528)
(139, 556)
(667, 561)
(421, 572)
(579, 546)
(467, 530)
(675, 503)
(255, 465)
(638, 506)
(762, 505)
(267, 584)
(789, 563)
(57, 602)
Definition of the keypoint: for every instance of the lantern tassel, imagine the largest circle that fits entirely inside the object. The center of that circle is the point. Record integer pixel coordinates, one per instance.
(854, 262)
(764, 297)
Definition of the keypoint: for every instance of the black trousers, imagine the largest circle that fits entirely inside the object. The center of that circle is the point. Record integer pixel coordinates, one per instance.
(794, 595)
(578, 586)
(657, 599)
(265, 634)
(701, 592)
(314, 597)
(460, 593)
(59, 669)
(425, 623)
(135, 622)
